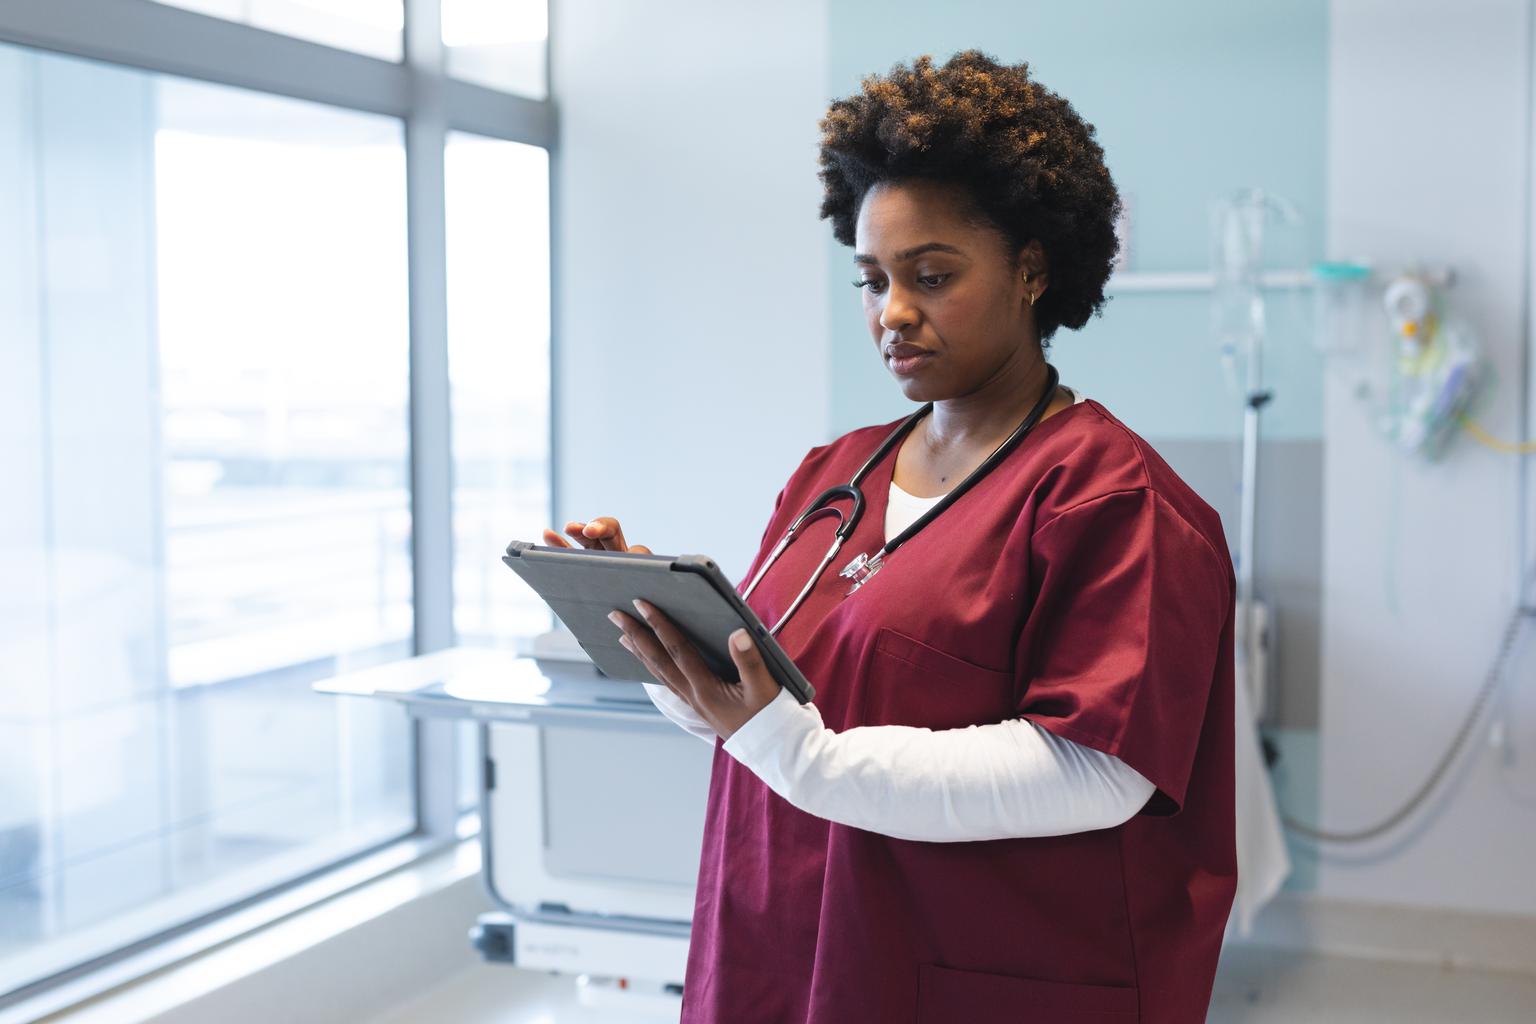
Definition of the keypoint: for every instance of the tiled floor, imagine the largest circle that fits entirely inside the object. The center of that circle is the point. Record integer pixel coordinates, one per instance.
(1254, 986)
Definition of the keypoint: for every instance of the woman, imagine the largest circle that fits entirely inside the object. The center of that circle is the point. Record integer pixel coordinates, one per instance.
(1012, 797)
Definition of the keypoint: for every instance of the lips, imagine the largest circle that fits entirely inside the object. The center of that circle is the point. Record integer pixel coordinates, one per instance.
(906, 359)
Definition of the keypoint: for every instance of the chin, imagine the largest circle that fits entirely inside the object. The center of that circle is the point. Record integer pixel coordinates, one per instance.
(920, 391)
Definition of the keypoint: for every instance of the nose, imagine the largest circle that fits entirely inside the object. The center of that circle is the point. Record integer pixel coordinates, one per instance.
(898, 314)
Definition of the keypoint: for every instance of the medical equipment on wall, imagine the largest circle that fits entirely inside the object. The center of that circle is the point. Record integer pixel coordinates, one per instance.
(862, 568)
(1438, 371)
(1340, 314)
(1417, 370)
(1419, 376)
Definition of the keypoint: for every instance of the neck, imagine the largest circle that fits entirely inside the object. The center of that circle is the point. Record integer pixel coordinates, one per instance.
(993, 410)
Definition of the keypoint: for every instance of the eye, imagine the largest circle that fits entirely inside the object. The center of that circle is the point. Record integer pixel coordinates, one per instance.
(932, 280)
(874, 285)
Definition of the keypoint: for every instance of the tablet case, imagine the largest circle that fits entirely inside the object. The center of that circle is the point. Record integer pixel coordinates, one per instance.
(582, 586)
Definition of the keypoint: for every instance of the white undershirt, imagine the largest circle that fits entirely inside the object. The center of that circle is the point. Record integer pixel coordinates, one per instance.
(1007, 779)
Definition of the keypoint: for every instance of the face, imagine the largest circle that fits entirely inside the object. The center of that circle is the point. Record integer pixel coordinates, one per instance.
(947, 308)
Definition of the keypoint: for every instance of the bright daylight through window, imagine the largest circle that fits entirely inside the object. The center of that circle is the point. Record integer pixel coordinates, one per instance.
(212, 509)
(206, 366)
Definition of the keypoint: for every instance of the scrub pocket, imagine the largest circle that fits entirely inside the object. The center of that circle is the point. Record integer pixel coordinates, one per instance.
(911, 683)
(945, 996)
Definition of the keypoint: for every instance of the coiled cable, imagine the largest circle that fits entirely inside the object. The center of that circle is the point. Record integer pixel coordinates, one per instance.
(1495, 673)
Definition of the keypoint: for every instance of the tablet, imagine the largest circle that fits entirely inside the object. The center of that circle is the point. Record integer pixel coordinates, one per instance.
(582, 586)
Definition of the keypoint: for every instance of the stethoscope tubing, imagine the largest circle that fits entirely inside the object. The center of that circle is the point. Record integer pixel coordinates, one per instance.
(822, 503)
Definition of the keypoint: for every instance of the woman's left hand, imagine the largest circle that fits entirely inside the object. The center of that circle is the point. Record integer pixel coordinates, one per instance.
(673, 660)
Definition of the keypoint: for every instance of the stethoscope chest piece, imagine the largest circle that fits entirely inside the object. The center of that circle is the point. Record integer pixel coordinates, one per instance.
(861, 569)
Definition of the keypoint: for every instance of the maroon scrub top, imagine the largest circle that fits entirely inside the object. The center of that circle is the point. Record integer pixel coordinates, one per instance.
(1081, 585)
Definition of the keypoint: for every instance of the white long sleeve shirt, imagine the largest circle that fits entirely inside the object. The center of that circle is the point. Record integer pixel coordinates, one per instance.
(1008, 779)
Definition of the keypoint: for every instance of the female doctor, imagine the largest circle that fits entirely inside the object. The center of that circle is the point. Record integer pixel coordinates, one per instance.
(1012, 799)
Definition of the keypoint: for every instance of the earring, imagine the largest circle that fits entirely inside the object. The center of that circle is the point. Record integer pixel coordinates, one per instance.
(1031, 300)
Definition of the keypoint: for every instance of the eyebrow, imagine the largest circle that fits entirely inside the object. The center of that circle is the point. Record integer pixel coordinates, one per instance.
(912, 253)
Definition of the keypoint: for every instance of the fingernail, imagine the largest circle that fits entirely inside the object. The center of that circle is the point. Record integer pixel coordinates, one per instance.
(741, 640)
(627, 645)
(616, 618)
(640, 607)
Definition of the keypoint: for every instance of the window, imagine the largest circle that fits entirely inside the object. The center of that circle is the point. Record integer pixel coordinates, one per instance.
(211, 509)
(497, 231)
(498, 365)
(224, 390)
(499, 43)
(284, 380)
(373, 27)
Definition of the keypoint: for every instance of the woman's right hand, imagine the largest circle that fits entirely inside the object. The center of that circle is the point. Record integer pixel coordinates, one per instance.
(601, 534)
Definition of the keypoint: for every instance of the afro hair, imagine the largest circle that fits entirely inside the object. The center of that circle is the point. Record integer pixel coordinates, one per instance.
(1025, 159)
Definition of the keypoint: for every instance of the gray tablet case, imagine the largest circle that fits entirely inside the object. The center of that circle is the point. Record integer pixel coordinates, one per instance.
(583, 586)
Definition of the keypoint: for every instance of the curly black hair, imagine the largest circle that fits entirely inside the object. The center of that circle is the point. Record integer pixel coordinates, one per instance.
(1025, 159)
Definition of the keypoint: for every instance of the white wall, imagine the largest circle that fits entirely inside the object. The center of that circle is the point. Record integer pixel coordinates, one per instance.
(691, 361)
(1429, 114)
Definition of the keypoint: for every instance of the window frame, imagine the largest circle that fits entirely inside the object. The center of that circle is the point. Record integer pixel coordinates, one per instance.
(156, 38)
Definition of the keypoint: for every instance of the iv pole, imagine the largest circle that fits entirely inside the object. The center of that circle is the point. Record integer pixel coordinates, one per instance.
(1240, 269)
(1238, 315)
(1254, 402)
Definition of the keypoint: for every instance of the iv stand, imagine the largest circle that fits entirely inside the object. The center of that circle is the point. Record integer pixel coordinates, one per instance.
(1243, 233)
(1257, 397)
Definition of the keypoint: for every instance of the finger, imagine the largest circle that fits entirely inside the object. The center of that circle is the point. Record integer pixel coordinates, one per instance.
(679, 648)
(644, 646)
(756, 679)
(554, 540)
(574, 530)
(640, 549)
(607, 532)
(642, 643)
(681, 693)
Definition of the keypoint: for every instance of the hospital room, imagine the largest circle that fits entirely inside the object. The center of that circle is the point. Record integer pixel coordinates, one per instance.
(683, 512)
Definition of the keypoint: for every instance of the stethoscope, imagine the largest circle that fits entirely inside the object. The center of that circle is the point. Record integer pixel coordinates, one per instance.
(863, 567)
